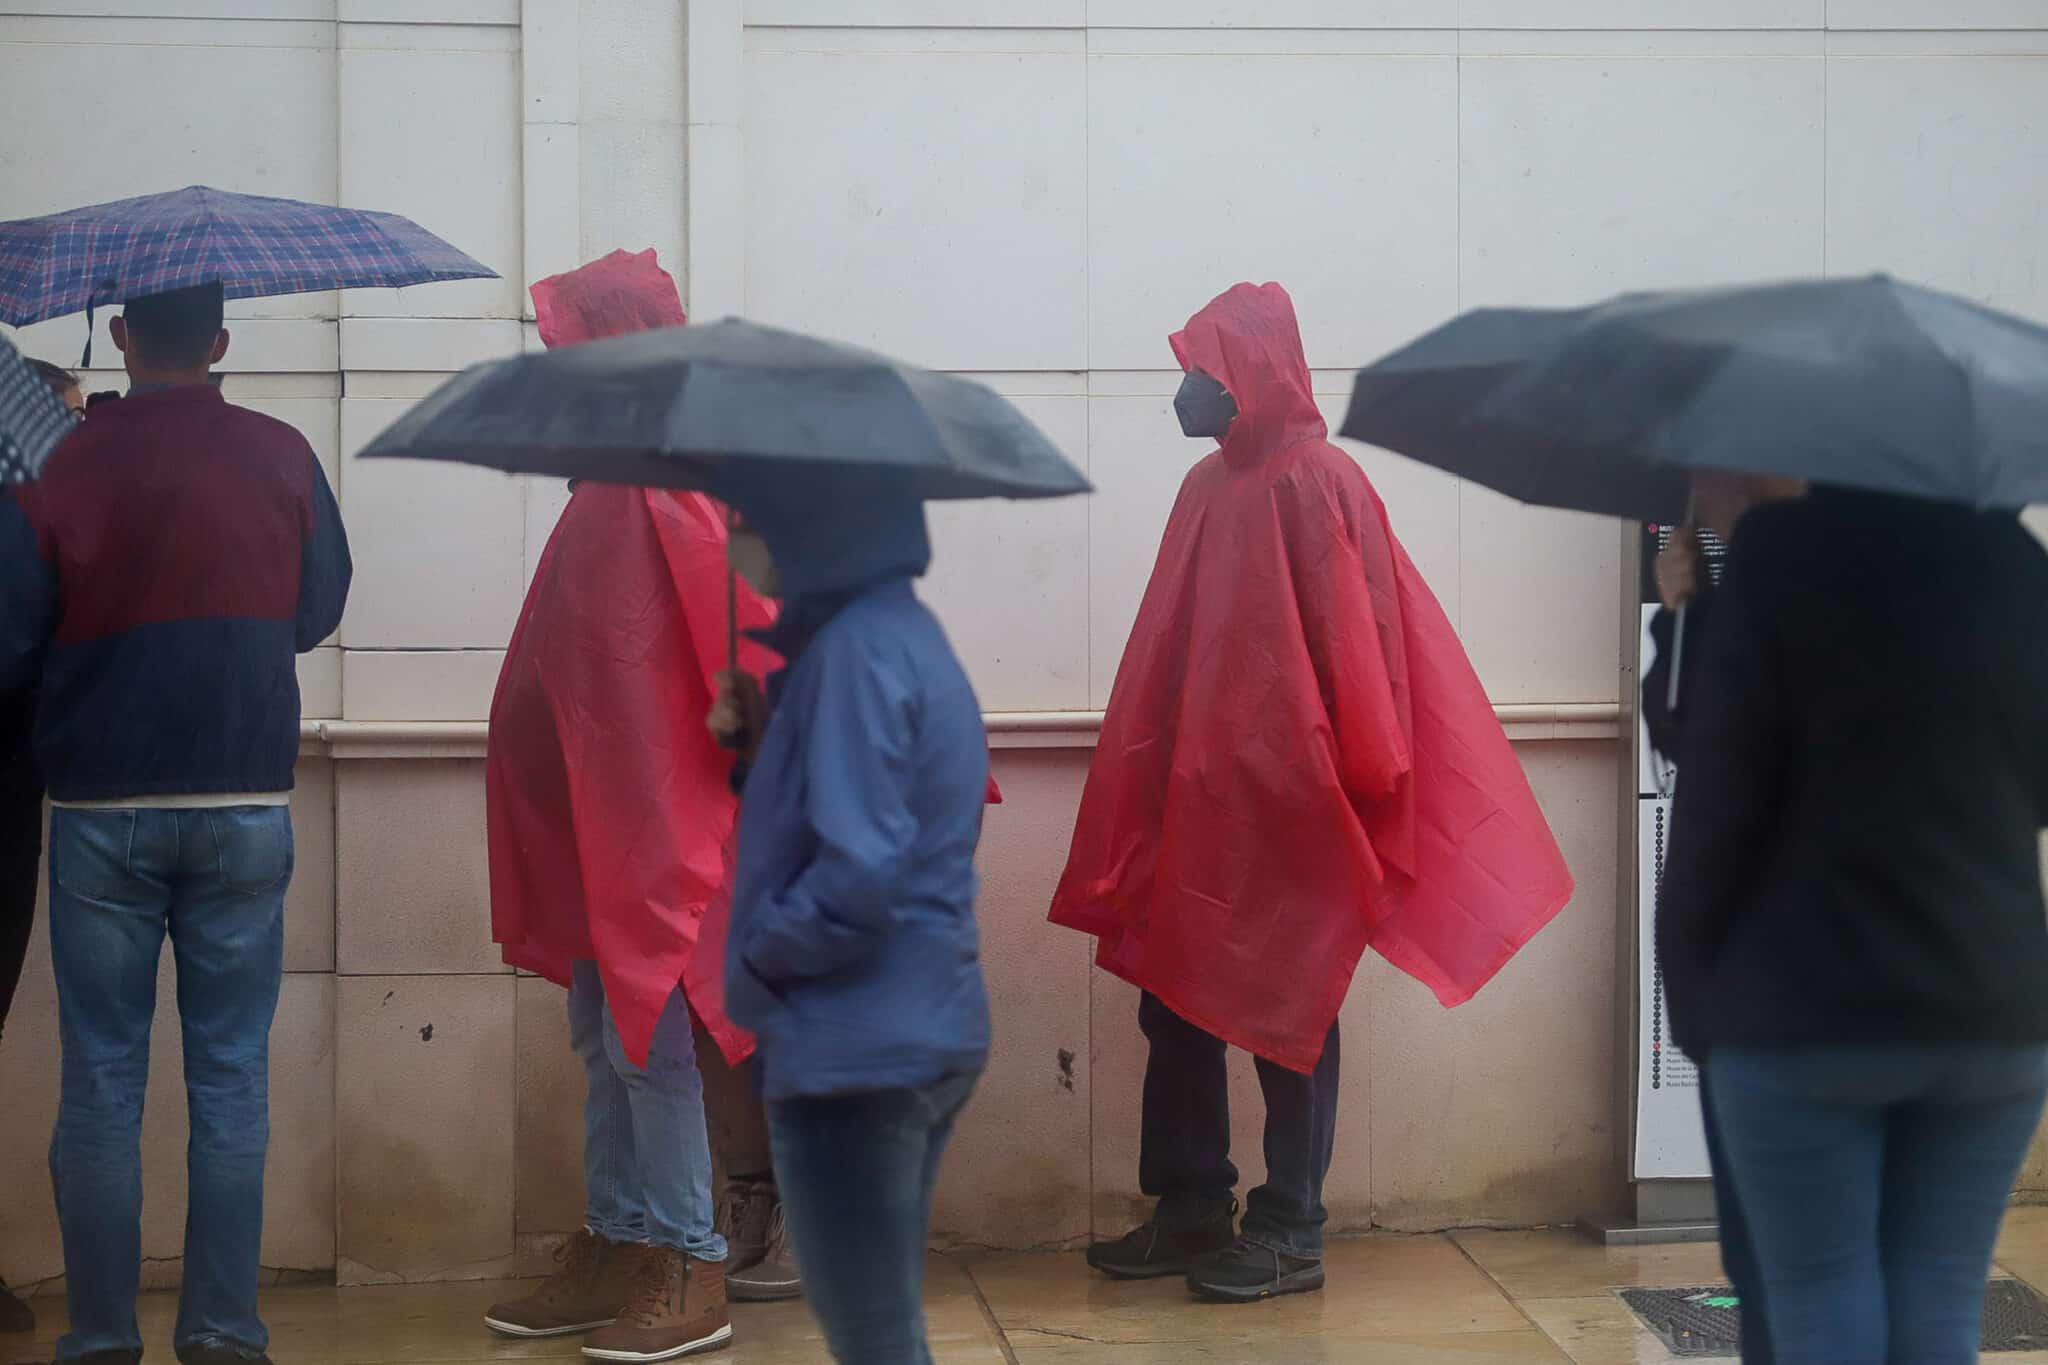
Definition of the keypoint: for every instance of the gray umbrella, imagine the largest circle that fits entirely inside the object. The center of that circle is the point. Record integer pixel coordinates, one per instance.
(695, 407)
(1865, 383)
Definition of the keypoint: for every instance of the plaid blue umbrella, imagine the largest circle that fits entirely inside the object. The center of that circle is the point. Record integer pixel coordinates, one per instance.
(253, 246)
(32, 419)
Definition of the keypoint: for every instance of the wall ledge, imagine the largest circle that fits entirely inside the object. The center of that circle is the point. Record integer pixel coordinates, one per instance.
(1525, 723)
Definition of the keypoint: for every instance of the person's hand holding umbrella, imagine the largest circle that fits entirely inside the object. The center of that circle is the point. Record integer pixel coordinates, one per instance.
(739, 713)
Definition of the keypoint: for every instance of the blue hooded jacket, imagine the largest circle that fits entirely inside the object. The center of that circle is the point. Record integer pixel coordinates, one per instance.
(853, 955)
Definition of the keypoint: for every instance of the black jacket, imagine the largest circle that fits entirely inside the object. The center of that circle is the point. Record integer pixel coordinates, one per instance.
(1863, 778)
(1664, 722)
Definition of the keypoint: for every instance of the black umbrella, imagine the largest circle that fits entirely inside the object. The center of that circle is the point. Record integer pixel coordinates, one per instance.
(1865, 383)
(682, 407)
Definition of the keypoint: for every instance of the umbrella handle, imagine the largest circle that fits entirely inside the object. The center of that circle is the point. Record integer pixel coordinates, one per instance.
(1678, 627)
(732, 627)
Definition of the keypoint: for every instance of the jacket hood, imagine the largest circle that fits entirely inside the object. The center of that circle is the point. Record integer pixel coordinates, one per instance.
(837, 534)
(1247, 339)
(620, 293)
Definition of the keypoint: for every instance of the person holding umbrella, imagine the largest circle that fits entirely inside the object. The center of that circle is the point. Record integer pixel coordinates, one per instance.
(156, 581)
(1298, 763)
(1851, 929)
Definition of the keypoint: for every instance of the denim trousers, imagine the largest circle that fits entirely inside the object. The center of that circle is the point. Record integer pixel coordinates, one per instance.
(120, 881)
(856, 1174)
(1872, 1181)
(646, 1156)
(1738, 1248)
(1184, 1143)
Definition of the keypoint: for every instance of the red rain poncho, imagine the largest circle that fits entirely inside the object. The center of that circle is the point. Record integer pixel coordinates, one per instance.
(1298, 759)
(610, 809)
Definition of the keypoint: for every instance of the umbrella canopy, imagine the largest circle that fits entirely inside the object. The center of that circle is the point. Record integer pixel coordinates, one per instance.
(1866, 383)
(254, 247)
(32, 419)
(704, 407)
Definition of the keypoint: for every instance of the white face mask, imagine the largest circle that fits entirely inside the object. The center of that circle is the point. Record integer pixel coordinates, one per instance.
(749, 557)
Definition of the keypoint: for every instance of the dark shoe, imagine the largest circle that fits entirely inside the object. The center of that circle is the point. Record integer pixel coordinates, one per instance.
(772, 1276)
(586, 1292)
(215, 1353)
(677, 1308)
(1161, 1248)
(1246, 1272)
(743, 1219)
(15, 1314)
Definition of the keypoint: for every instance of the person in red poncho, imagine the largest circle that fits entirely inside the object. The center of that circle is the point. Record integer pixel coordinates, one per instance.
(1298, 763)
(611, 816)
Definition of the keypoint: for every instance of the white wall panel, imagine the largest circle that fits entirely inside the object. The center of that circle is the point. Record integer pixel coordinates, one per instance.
(1334, 174)
(431, 129)
(1954, 199)
(1585, 177)
(1010, 581)
(439, 547)
(927, 203)
(1938, 14)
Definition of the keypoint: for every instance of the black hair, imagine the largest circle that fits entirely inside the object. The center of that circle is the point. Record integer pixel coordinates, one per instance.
(176, 331)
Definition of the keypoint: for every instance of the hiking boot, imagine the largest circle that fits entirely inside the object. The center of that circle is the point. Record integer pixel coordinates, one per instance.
(1165, 1247)
(586, 1292)
(1246, 1272)
(219, 1353)
(772, 1275)
(15, 1314)
(676, 1308)
(743, 1219)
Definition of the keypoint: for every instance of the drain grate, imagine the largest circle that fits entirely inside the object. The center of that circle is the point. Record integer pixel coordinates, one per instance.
(1704, 1323)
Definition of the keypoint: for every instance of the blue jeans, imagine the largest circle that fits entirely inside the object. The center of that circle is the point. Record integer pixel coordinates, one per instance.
(646, 1157)
(1873, 1181)
(214, 880)
(856, 1174)
(1184, 1144)
(1738, 1248)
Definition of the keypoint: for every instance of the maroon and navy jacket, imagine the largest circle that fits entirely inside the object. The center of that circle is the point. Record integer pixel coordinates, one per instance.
(156, 584)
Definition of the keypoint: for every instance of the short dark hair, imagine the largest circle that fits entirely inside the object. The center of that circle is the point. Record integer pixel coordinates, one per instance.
(176, 330)
(56, 376)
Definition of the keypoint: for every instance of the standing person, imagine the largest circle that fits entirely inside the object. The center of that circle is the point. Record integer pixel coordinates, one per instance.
(854, 955)
(156, 583)
(1721, 500)
(1852, 932)
(21, 834)
(1297, 762)
(611, 813)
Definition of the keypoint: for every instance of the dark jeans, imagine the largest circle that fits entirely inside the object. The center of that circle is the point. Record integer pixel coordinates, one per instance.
(120, 881)
(1738, 1251)
(1873, 1181)
(856, 1174)
(1184, 1147)
(733, 1113)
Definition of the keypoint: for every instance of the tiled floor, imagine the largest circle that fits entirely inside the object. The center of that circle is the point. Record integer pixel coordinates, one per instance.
(1476, 1298)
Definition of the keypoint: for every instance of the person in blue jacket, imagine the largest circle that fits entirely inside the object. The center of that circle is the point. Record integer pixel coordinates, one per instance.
(853, 954)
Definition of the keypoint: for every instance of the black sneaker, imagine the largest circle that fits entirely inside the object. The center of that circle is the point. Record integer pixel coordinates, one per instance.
(15, 1314)
(220, 1353)
(1159, 1249)
(1245, 1272)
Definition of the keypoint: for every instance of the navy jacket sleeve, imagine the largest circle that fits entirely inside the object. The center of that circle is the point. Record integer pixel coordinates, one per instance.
(1730, 778)
(858, 772)
(324, 566)
(28, 599)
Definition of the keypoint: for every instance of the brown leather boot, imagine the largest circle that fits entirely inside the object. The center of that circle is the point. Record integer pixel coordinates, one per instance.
(676, 1308)
(586, 1292)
